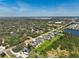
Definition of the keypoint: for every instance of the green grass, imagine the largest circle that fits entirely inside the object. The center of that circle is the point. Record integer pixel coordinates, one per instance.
(47, 44)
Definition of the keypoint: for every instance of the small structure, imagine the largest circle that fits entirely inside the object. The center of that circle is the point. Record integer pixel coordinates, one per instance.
(26, 50)
(2, 48)
(20, 54)
(58, 22)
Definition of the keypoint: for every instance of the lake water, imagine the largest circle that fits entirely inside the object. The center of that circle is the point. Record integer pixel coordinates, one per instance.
(72, 31)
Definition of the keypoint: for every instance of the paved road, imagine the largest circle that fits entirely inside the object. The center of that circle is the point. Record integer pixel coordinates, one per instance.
(53, 30)
(5, 50)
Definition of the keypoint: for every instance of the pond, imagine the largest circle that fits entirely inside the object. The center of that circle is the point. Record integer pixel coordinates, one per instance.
(72, 31)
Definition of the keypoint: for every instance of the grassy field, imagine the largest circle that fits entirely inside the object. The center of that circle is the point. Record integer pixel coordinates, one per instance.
(41, 50)
(47, 44)
(69, 44)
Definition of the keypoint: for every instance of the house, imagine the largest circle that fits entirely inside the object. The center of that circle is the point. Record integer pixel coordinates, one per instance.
(38, 41)
(20, 54)
(46, 37)
(26, 50)
(58, 22)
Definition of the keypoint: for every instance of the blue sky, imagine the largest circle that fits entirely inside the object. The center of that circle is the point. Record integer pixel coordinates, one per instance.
(39, 8)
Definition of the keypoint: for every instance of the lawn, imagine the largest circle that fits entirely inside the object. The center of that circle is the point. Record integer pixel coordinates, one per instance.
(47, 44)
